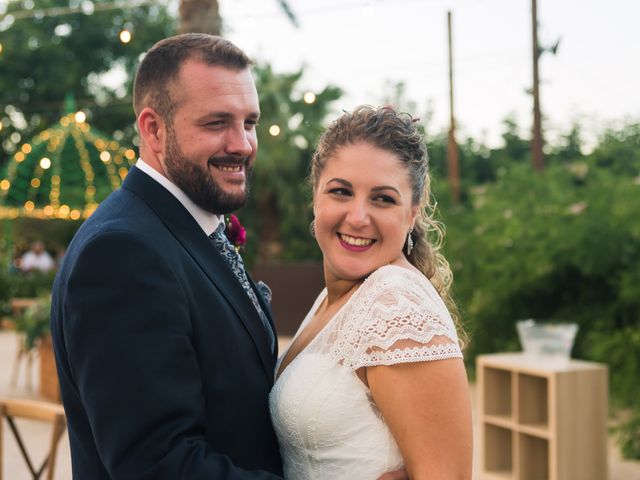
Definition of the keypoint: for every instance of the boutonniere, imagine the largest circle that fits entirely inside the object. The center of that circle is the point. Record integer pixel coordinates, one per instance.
(235, 232)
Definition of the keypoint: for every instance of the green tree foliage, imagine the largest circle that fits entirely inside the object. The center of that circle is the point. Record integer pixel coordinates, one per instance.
(48, 55)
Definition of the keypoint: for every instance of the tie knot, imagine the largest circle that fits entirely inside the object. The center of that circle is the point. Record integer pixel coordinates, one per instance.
(219, 231)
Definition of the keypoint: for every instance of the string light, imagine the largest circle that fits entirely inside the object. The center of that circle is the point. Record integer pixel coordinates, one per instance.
(0, 47)
(85, 164)
(309, 97)
(125, 36)
(64, 210)
(47, 147)
(111, 169)
(274, 130)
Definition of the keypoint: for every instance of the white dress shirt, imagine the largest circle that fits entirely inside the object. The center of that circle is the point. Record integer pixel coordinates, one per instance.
(207, 220)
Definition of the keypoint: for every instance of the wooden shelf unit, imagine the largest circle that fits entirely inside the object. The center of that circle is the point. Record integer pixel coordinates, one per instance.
(542, 420)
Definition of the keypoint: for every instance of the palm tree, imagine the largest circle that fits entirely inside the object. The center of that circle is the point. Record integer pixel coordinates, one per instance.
(203, 16)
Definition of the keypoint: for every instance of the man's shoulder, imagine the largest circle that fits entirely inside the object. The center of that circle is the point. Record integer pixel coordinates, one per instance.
(121, 215)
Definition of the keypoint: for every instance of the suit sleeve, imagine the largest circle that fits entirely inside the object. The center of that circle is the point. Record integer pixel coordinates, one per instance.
(127, 332)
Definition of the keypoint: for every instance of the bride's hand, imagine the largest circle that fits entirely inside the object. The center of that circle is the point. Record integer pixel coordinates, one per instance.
(395, 475)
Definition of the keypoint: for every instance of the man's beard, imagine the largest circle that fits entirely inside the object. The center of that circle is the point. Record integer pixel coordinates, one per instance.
(198, 183)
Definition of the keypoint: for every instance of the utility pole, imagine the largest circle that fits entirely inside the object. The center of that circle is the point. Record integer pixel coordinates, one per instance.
(452, 148)
(536, 142)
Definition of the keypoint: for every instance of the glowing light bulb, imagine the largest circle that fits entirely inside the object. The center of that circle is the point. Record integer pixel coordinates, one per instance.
(309, 97)
(45, 163)
(125, 36)
(274, 130)
(80, 117)
(105, 156)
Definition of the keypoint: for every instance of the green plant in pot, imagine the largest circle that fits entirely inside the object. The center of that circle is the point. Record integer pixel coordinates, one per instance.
(34, 322)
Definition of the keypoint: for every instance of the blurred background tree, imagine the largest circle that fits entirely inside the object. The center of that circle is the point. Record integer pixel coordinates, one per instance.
(81, 50)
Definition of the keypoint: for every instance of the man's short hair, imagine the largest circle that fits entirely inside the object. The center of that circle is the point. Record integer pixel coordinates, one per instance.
(159, 69)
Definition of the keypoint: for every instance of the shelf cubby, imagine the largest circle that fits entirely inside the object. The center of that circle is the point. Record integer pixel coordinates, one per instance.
(533, 402)
(497, 396)
(499, 461)
(534, 458)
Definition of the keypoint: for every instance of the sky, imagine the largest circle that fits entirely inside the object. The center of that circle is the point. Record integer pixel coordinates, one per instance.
(363, 45)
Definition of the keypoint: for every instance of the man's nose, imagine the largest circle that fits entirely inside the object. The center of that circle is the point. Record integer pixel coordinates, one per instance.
(237, 142)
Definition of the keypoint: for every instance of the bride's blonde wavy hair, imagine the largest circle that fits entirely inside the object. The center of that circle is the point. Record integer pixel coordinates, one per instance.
(397, 133)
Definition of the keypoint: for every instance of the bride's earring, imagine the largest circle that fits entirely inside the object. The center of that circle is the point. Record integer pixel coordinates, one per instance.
(409, 242)
(312, 228)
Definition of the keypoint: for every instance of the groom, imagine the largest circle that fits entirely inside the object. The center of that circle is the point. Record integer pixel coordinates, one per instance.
(165, 349)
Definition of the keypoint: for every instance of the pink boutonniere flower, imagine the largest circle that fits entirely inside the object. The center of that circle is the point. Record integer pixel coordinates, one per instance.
(235, 232)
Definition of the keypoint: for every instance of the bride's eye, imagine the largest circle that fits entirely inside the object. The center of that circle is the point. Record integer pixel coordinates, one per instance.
(340, 192)
(385, 199)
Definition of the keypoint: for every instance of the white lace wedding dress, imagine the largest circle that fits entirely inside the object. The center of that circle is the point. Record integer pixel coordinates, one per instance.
(327, 424)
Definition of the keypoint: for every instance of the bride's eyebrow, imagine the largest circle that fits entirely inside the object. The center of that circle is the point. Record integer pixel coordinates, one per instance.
(341, 181)
(385, 187)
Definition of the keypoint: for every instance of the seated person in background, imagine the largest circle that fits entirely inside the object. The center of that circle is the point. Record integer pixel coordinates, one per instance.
(37, 258)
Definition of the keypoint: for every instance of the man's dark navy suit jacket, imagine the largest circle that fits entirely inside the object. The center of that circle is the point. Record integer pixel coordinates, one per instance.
(164, 365)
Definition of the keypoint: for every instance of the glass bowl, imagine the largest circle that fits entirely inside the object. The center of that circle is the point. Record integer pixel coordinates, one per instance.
(547, 340)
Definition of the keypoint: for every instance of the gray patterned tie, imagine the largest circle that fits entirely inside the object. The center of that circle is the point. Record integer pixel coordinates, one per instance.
(234, 260)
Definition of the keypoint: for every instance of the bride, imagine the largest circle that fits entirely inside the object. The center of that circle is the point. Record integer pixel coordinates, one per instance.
(374, 380)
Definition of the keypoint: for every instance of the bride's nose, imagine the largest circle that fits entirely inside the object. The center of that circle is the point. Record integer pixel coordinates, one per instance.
(358, 214)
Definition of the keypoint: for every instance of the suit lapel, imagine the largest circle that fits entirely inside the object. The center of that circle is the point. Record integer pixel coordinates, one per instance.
(187, 231)
(266, 308)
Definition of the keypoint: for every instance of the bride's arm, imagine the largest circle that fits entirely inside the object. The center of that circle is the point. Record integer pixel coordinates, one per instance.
(426, 406)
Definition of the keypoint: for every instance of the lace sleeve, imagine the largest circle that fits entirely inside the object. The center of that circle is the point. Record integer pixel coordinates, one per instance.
(397, 317)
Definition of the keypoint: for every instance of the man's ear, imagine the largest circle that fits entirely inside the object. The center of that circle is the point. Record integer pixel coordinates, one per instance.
(152, 129)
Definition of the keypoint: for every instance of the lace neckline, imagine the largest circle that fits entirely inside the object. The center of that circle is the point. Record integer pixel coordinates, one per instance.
(315, 308)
